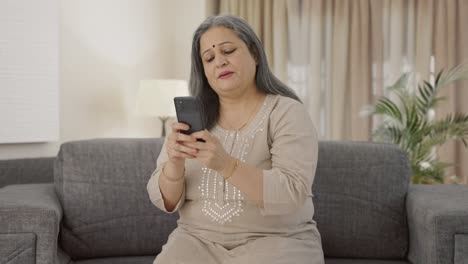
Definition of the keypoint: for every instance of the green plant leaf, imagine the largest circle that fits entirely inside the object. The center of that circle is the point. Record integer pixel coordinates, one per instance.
(406, 123)
(386, 107)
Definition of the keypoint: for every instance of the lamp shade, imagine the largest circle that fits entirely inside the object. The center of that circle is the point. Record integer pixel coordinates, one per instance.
(156, 97)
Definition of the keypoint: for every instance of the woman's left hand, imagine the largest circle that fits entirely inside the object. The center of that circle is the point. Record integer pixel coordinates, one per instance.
(210, 153)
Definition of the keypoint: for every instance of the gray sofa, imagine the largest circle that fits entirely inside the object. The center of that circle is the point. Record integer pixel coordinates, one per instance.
(96, 210)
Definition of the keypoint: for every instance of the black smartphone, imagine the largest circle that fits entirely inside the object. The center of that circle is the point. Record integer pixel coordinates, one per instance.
(189, 111)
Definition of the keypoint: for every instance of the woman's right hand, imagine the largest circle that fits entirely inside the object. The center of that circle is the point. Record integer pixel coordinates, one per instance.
(176, 149)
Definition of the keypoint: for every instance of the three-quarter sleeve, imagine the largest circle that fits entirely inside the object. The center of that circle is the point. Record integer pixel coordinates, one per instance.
(153, 184)
(294, 150)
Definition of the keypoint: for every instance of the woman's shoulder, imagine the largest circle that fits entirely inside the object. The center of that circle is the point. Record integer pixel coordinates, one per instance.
(286, 110)
(283, 104)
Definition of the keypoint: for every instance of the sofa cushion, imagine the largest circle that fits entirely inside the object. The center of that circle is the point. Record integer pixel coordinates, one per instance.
(121, 260)
(364, 261)
(18, 248)
(461, 248)
(30, 170)
(438, 222)
(31, 209)
(101, 184)
(359, 196)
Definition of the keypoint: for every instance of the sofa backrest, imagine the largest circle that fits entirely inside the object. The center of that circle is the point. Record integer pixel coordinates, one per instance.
(101, 185)
(359, 197)
(27, 170)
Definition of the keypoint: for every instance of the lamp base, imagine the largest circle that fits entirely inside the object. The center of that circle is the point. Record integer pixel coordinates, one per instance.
(163, 124)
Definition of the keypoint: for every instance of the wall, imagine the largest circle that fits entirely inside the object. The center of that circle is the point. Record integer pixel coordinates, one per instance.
(29, 59)
(106, 47)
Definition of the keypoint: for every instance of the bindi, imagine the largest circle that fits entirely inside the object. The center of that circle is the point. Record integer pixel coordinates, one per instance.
(213, 45)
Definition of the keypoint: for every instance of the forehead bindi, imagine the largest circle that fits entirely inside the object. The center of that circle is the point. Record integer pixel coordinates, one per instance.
(215, 45)
(216, 37)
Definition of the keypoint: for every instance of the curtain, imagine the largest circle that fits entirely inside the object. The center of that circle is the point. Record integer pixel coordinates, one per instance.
(330, 64)
(450, 48)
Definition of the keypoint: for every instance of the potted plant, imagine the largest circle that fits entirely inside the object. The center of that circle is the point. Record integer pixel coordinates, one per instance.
(408, 119)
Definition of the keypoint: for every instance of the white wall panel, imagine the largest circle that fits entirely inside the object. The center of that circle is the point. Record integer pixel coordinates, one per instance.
(29, 56)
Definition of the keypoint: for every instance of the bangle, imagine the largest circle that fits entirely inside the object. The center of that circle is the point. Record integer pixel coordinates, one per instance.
(167, 178)
(236, 164)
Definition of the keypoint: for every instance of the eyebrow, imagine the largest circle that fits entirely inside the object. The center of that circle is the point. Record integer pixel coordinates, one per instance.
(222, 43)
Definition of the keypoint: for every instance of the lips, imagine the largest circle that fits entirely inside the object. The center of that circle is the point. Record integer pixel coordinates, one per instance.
(225, 74)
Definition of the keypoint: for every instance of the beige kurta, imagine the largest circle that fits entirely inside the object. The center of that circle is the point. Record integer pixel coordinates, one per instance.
(218, 224)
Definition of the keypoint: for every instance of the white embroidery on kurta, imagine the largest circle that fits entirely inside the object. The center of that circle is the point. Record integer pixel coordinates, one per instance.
(221, 209)
(222, 206)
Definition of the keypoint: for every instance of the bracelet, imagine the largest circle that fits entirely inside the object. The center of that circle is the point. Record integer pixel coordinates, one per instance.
(168, 179)
(233, 170)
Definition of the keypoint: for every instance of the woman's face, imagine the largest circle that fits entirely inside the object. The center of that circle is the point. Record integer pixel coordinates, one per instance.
(229, 66)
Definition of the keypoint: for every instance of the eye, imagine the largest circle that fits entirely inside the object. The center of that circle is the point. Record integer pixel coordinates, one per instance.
(210, 59)
(229, 51)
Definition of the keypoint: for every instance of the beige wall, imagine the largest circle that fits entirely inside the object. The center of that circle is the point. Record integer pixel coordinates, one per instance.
(106, 47)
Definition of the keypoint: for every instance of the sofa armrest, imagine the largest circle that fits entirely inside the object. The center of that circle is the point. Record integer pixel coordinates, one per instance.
(30, 217)
(438, 223)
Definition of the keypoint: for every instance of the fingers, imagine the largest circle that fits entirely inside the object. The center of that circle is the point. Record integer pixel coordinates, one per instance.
(210, 153)
(181, 146)
(210, 143)
(207, 150)
(186, 149)
(177, 136)
(203, 134)
(179, 154)
(176, 127)
(205, 155)
(175, 145)
(178, 150)
(200, 145)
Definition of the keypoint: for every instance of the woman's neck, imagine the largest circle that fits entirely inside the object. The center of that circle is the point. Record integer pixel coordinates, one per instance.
(242, 101)
(237, 112)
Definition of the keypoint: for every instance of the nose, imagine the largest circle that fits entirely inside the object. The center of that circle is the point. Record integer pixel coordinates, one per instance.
(220, 60)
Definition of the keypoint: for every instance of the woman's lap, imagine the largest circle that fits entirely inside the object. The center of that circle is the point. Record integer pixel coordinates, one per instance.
(184, 248)
(279, 250)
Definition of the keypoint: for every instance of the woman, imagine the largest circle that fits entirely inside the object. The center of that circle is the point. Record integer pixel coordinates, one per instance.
(243, 195)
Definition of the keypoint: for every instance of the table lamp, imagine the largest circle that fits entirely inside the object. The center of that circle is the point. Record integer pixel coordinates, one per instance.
(156, 98)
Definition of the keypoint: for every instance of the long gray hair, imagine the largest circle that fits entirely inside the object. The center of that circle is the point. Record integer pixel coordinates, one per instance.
(264, 78)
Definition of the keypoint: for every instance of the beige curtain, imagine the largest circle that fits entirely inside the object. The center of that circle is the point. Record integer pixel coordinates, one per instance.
(462, 88)
(450, 48)
(330, 64)
(351, 70)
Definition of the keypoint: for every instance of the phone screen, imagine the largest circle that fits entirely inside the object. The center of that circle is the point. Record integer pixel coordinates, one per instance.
(189, 111)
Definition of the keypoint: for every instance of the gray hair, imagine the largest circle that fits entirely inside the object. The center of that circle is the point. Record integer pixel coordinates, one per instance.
(264, 78)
